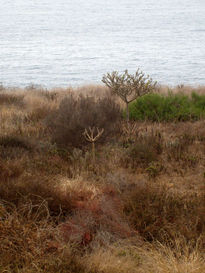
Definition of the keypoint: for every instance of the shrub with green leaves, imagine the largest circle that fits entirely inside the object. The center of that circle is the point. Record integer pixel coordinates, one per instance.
(171, 107)
(198, 100)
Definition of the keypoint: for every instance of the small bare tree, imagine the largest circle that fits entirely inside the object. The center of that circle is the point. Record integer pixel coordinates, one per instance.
(129, 87)
(91, 135)
(129, 130)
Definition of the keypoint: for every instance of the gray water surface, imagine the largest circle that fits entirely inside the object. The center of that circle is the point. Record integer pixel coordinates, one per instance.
(64, 42)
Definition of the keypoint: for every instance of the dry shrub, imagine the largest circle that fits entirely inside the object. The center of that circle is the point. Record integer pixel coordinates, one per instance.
(179, 257)
(177, 148)
(112, 259)
(21, 238)
(11, 119)
(50, 95)
(38, 91)
(59, 202)
(100, 213)
(67, 124)
(10, 98)
(32, 245)
(81, 163)
(15, 142)
(81, 209)
(97, 91)
(153, 209)
(13, 153)
(39, 104)
(15, 147)
(10, 169)
(190, 131)
(37, 114)
(49, 165)
(36, 190)
(184, 147)
(142, 152)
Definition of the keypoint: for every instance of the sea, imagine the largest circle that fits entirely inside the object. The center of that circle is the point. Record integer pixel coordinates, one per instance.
(75, 42)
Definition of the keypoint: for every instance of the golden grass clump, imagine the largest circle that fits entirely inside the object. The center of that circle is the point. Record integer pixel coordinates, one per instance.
(147, 258)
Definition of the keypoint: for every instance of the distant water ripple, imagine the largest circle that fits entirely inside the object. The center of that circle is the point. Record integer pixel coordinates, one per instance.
(64, 42)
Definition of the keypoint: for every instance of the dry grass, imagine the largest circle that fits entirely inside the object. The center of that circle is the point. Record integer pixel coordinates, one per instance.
(187, 89)
(147, 258)
(138, 208)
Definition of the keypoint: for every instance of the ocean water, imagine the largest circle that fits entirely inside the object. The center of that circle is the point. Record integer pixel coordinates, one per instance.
(74, 42)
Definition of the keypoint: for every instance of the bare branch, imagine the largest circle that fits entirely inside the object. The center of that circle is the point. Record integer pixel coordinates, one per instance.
(92, 134)
(129, 87)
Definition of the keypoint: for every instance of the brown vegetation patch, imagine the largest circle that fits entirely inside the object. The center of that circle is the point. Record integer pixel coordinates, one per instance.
(137, 208)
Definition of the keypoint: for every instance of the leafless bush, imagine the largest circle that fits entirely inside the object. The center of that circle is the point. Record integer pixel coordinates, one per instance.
(10, 169)
(68, 122)
(142, 152)
(155, 211)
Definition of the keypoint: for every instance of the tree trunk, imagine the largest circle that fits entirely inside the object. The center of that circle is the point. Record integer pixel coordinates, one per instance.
(93, 151)
(127, 112)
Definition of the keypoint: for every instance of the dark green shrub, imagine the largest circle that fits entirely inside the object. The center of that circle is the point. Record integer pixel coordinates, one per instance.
(69, 121)
(171, 107)
(198, 100)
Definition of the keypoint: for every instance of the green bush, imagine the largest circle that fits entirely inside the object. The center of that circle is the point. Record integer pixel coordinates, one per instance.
(171, 107)
(198, 100)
